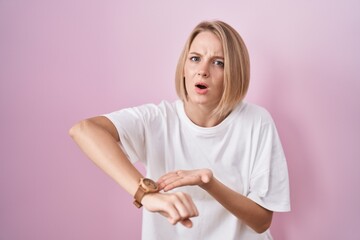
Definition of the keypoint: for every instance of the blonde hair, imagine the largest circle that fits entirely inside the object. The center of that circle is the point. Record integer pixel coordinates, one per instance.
(236, 65)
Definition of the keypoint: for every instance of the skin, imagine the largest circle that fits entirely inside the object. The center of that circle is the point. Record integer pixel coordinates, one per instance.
(255, 216)
(204, 64)
(99, 140)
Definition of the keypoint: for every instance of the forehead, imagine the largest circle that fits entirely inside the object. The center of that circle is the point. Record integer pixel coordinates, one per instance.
(207, 42)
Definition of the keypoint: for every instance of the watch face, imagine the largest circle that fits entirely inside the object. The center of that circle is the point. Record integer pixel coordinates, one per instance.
(150, 184)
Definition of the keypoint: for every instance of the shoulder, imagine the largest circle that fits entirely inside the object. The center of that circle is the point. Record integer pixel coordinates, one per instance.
(254, 113)
(153, 112)
(151, 108)
(163, 108)
(145, 112)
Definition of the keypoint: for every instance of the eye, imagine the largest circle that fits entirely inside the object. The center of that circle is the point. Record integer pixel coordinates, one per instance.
(194, 59)
(219, 63)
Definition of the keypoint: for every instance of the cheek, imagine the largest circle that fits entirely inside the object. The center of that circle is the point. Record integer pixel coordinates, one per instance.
(188, 70)
(187, 82)
(220, 82)
(218, 77)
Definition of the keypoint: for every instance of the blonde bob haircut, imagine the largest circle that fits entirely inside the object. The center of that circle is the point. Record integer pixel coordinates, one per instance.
(236, 65)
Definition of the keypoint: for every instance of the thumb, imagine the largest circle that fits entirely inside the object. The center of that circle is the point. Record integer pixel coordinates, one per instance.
(205, 178)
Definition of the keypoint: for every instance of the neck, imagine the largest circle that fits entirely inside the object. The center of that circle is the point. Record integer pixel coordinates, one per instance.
(202, 116)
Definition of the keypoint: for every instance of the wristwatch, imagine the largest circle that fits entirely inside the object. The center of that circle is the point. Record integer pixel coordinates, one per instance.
(146, 186)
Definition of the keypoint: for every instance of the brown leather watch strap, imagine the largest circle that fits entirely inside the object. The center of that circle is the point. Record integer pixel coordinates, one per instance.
(146, 186)
(140, 193)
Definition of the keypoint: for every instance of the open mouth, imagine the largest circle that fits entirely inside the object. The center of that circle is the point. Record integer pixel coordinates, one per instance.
(201, 86)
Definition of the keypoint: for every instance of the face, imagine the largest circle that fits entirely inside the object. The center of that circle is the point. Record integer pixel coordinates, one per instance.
(204, 71)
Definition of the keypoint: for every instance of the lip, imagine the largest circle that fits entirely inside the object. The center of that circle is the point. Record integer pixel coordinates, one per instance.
(200, 90)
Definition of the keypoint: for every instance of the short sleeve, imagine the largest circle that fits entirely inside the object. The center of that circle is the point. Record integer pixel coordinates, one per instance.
(130, 125)
(269, 181)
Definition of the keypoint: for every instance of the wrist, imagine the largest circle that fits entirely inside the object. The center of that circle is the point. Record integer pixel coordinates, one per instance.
(148, 198)
(146, 186)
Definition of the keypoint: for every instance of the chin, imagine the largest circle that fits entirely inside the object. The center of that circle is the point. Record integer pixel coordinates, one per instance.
(201, 100)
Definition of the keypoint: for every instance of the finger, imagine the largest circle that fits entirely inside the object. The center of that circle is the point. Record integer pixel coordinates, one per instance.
(174, 183)
(187, 223)
(206, 175)
(169, 182)
(185, 206)
(174, 174)
(172, 214)
(173, 180)
(168, 175)
(205, 178)
(190, 205)
(166, 179)
(182, 181)
(179, 207)
(174, 217)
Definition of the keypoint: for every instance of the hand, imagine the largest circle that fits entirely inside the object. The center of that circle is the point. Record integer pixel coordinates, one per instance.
(182, 178)
(176, 207)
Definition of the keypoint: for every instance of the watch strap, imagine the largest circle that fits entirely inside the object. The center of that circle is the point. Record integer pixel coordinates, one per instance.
(140, 193)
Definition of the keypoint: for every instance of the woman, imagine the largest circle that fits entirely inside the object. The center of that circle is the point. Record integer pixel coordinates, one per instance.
(215, 165)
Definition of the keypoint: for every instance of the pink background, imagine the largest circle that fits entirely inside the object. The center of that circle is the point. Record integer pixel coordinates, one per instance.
(62, 61)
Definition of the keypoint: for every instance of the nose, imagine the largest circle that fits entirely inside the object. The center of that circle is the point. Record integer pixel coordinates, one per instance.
(203, 74)
(203, 70)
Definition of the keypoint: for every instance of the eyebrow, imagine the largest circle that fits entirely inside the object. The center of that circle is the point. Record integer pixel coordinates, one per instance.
(196, 53)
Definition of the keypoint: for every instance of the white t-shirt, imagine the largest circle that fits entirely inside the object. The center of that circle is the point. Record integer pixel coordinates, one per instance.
(243, 151)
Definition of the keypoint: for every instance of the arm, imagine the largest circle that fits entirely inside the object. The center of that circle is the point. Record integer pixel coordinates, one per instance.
(255, 216)
(99, 140)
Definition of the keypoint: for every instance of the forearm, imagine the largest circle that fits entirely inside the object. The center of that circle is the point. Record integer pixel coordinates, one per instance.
(99, 140)
(255, 216)
(103, 149)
